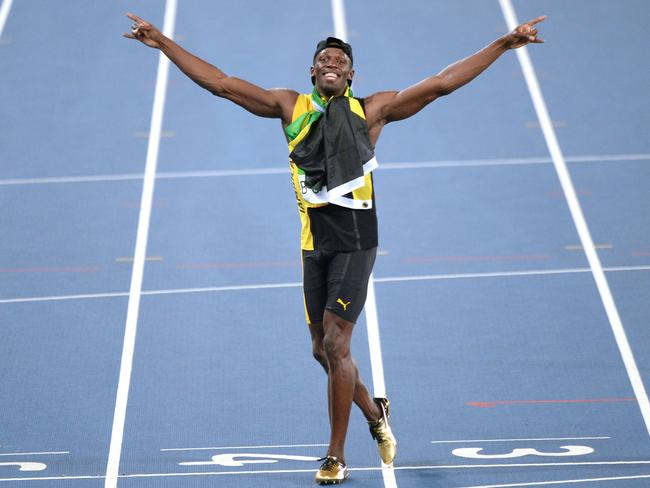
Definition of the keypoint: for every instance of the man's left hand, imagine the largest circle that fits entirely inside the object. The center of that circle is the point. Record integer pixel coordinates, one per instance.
(524, 34)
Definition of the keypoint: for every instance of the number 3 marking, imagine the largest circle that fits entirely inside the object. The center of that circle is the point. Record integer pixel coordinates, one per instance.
(473, 452)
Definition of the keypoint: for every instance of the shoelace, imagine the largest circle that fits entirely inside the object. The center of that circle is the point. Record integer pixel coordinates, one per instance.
(330, 462)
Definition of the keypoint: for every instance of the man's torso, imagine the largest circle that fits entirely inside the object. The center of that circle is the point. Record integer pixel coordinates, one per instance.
(329, 226)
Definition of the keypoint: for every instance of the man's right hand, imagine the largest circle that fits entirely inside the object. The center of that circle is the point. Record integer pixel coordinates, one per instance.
(144, 32)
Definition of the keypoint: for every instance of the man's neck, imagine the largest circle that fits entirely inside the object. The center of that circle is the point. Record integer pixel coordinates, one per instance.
(323, 94)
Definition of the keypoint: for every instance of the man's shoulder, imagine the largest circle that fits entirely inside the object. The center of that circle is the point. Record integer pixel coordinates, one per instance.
(285, 94)
(375, 106)
(380, 97)
(286, 98)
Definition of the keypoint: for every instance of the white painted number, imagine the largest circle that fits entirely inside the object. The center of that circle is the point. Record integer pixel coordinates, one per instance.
(26, 466)
(474, 452)
(229, 459)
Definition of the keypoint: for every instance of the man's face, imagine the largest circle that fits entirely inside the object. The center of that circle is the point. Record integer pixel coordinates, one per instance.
(331, 71)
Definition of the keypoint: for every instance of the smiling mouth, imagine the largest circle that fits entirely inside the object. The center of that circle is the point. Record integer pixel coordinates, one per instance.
(330, 76)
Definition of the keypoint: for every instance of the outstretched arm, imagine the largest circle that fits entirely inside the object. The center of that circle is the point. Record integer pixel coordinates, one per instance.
(277, 103)
(387, 107)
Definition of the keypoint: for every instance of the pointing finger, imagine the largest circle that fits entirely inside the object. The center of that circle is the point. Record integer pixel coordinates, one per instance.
(537, 20)
(134, 17)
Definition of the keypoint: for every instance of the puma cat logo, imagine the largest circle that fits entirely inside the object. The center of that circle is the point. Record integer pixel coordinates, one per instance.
(343, 304)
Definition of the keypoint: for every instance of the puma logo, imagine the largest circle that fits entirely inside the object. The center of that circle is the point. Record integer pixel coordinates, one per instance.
(343, 304)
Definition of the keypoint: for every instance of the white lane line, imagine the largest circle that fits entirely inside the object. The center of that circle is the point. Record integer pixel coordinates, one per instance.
(518, 440)
(372, 321)
(264, 286)
(71, 179)
(496, 274)
(504, 274)
(5, 8)
(46, 453)
(509, 161)
(374, 342)
(579, 219)
(340, 25)
(57, 298)
(209, 289)
(282, 170)
(362, 469)
(284, 446)
(559, 482)
(126, 363)
(280, 446)
(54, 478)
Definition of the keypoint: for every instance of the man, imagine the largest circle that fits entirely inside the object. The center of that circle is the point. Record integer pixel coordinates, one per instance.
(331, 138)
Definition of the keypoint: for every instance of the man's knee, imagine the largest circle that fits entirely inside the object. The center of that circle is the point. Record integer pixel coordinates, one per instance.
(317, 350)
(336, 342)
(319, 353)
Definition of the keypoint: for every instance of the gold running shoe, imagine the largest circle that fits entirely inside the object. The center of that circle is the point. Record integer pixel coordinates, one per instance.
(331, 472)
(380, 431)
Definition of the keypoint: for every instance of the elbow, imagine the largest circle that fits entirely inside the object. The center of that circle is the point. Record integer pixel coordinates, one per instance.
(216, 89)
(445, 86)
(217, 86)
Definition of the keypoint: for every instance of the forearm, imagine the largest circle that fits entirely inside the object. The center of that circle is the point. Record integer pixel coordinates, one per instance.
(387, 107)
(261, 102)
(462, 72)
(202, 73)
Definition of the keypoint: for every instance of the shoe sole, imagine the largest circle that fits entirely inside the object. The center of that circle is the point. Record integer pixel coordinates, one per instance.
(331, 482)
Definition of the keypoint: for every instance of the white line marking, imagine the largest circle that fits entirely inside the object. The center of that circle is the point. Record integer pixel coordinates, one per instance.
(583, 480)
(48, 453)
(71, 179)
(374, 342)
(460, 163)
(241, 447)
(235, 460)
(54, 478)
(126, 363)
(377, 366)
(519, 465)
(223, 288)
(56, 298)
(390, 279)
(496, 274)
(5, 8)
(579, 219)
(338, 15)
(508, 161)
(518, 440)
(504, 274)
(24, 465)
(370, 469)
(372, 321)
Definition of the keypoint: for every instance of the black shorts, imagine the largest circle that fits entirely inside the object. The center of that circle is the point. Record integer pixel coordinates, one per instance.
(336, 281)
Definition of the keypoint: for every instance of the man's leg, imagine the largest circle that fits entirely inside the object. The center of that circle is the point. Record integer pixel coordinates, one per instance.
(342, 378)
(362, 397)
(335, 286)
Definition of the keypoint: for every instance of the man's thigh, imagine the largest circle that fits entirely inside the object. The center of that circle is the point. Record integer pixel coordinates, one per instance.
(347, 282)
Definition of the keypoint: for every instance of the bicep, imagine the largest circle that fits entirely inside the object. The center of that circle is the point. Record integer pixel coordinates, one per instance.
(259, 101)
(406, 103)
